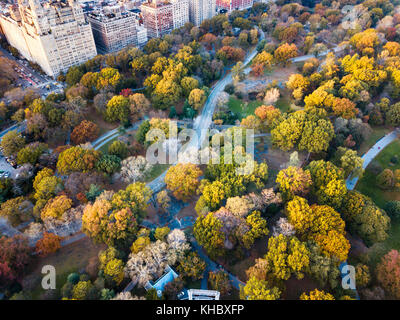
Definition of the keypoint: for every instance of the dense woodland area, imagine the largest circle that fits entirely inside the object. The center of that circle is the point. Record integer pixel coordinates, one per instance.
(281, 230)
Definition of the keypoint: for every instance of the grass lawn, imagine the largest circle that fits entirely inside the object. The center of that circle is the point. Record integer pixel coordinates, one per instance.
(283, 104)
(377, 133)
(71, 258)
(241, 108)
(367, 186)
(104, 147)
(156, 171)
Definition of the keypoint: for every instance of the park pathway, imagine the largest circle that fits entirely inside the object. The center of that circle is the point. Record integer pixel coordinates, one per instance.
(372, 153)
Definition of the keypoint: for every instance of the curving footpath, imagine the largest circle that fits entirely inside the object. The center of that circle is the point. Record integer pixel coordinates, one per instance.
(372, 153)
(352, 182)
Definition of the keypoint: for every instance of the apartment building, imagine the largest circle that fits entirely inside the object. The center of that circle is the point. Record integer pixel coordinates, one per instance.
(180, 12)
(157, 18)
(231, 5)
(200, 10)
(113, 28)
(54, 34)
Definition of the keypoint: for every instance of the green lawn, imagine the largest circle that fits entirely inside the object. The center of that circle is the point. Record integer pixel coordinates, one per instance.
(156, 171)
(367, 186)
(241, 108)
(377, 133)
(283, 104)
(104, 147)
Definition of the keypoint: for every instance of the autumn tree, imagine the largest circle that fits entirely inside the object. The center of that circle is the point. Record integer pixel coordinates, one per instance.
(293, 181)
(15, 255)
(77, 159)
(287, 256)
(50, 243)
(182, 180)
(192, 266)
(135, 169)
(208, 233)
(12, 142)
(139, 105)
(56, 207)
(349, 161)
(387, 273)
(285, 52)
(84, 132)
(344, 108)
(118, 148)
(256, 289)
(117, 109)
(103, 224)
(197, 98)
(219, 281)
(317, 295)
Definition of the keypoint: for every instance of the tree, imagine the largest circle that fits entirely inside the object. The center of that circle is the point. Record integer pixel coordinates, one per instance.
(113, 227)
(81, 290)
(15, 255)
(219, 281)
(107, 77)
(191, 266)
(197, 98)
(188, 84)
(239, 206)
(293, 181)
(317, 295)
(16, 210)
(12, 142)
(333, 244)
(256, 289)
(50, 243)
(285, 52)
(364, 218)
(108, 164)
(323, 268)
(208, 233)
(387, 273)
(163, 200)
(31, 153)
(135, 197)
(135, 169)
(77, 159)
(56, 207)
(114, 271)
(344, 108)
(84, 132)
(363, 276)
(161, 233)
(183, 180)
(385, 180)
(349, 161)
(287, 256)
(139, 105)
(118, 148)
(117, 109)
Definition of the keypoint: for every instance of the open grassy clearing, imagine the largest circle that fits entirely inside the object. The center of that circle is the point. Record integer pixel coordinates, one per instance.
(367, 185)
(71, 258)
(377, 133)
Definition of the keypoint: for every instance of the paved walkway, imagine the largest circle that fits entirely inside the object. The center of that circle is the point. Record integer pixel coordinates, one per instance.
(372, 153)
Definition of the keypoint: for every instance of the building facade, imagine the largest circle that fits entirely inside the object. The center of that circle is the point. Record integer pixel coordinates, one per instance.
(180, 12)
(231, 5)
(157, 18)
(200, 10)
(113, 28)
(55, 34)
